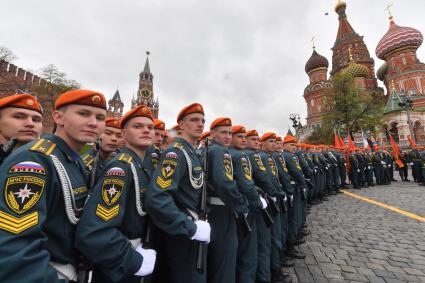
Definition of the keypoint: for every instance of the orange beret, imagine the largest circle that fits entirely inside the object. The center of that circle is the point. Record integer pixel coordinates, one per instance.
(158, 124)
(278, 138)
(204, 135)
(238, 129)
(82, 97)
(268, 135)
(139, 111)
(252, 133)
(112, 122)
(192, 108)
(289, 139)
(23, 100)
(220, 122)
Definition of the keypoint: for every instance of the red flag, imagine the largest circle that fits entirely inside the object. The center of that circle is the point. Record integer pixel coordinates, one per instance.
(337, 145)
(341, 142)
(396, 152)
(411, 142)
(350, 143)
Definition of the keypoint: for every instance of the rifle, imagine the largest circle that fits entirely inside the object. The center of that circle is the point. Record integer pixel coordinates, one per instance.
(243, 222)
(200, 264)
(274, 208)
(92, 182)
(7, 148)
(83, 268)
(268, 219)
(146, 240)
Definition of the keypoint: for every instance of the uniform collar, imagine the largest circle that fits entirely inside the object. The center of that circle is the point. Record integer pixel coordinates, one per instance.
(66, 149)
(133, 154)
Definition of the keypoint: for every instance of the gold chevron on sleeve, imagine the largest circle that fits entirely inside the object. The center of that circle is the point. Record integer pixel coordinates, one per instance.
(163, 183)
(16, 225)
(107, 214)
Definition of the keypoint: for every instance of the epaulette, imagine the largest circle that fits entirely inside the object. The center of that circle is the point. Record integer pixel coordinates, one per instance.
(87, 158)
(44, 146)
(125, 157)
(178, 145)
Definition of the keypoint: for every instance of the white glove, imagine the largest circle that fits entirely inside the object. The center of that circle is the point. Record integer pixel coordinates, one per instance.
(203, 231)
(291, 198)
(285, 199)
(263, 203)
(411, 163)
(273, 199)
(149, 258)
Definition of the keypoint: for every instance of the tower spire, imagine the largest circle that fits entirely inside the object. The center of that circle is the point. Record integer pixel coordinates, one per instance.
(147, 69)
(388, 9)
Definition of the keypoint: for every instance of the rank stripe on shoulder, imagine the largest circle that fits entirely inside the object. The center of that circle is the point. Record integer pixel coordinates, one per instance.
(44, 146)
(125, 157)
(107, 214)
(16, 225)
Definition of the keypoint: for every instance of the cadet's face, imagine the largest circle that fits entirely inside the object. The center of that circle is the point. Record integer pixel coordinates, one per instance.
(139, 132)
(121, 141)
(23, 124)
(253, 142)
(291, 147)
(222, 135)
(110, 138)
(239, 140)
(269, 145)
(278, 146)
(80, 124)
(192, 125)
(159, 137)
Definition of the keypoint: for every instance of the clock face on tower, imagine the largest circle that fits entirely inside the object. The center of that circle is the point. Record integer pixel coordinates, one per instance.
(145, 93)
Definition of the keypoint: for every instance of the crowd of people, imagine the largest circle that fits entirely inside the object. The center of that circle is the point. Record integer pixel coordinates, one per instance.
(143, 204)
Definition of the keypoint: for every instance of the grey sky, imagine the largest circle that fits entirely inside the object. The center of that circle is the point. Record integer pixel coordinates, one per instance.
(240, 58)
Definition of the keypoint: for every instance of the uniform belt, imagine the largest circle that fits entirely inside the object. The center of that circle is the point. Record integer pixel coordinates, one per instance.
(135, 242)
(215, 201)
(65, 271)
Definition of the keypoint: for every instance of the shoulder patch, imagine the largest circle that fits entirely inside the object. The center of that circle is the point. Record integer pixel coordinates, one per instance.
(125, 157)
(107, 214)
(28, 166)
(168, 168)
(171, 154)
(272, 166)
(246, 168)
(88, 159)
(16, 225)
(259, 162)
(115, 171)
(44, 146)
(23, 192)
(228, 167)
(112, 189)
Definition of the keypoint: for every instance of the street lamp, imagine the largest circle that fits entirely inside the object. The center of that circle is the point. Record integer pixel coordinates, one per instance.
(407, 105)
(296, 122)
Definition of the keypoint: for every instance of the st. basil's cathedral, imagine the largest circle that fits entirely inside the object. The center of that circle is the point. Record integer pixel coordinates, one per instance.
(402, 74)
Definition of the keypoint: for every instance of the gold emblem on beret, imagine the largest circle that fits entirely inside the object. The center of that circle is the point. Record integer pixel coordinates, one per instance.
(95, 99)
(29, 102)
(144, 110)
(115, 122)
(243, 129)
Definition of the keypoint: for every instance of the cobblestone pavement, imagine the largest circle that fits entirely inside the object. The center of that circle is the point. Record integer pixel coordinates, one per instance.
(356, 241)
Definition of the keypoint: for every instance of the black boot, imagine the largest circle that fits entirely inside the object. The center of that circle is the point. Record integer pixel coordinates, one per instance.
(293, 252)
(287, 261)
(280, 277)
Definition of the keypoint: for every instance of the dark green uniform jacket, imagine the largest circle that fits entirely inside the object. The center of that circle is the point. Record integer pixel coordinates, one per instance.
(35, 228)
(112, 216)
(171, 192)
(151, 159)
(260, 173)
(242, 172)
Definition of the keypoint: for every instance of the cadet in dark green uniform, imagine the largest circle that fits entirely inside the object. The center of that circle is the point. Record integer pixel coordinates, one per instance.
(295, 214)
(265, 187)
(44, 184)
(247, 242)
(225, 203)
(173, 200)
(21, 119)
(153, 153)
(108, 146)
(111, 227)
(268, 142)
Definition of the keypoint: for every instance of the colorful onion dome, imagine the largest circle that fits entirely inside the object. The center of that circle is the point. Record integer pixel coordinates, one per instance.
(398, 37)
(382, 72)
(316, 61)
(355, 69)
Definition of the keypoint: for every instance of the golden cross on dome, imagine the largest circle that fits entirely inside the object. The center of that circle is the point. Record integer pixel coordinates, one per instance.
(388, 9)
(393, 85)
(312, 42)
